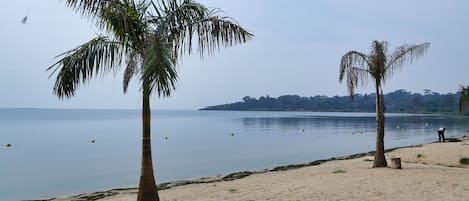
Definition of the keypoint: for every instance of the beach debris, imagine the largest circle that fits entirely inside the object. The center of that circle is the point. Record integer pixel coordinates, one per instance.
(339, 171)
(232, 190)
(396, 163)
(464, 161)
(8, 145)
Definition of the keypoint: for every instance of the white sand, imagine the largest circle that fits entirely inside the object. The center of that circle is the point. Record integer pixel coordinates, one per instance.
(430, 177)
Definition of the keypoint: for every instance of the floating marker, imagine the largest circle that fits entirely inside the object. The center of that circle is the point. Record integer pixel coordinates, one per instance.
(93, 141)
(8, 145)
(165, 137)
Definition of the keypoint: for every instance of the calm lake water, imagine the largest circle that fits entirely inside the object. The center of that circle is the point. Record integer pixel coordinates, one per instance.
(52, 154)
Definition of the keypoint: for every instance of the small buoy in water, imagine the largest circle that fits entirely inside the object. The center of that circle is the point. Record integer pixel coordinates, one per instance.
(232, 134)
(303, 130)
(8, 145)
(165, 137)
(93, 141)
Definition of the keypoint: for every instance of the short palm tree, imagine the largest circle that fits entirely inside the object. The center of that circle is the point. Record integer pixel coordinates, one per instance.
(463, 97)
(378, 66)
(146, 37)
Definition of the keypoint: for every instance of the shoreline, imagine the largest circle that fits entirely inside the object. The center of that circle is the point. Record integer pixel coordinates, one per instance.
(237, 175)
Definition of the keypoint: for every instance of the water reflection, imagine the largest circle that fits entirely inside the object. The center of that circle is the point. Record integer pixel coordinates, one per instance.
(397, 127)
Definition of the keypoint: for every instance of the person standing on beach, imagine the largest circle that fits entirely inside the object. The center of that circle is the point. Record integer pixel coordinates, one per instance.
(441, 134)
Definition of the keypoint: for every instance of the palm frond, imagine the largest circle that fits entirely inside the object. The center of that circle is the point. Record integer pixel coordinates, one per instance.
(356, 77)
(352, 59)
(91, 9)
(405, 54)
(159, 73)
(187, 20)
(126, 21)
(354, 65)
(214, 32)
(132, 69)
(77, 66)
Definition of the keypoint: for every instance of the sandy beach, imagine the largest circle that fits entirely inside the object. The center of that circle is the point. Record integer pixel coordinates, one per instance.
(429, 172)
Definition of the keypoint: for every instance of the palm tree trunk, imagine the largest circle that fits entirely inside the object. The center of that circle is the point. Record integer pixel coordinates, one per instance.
(380, 159)
(147, 190)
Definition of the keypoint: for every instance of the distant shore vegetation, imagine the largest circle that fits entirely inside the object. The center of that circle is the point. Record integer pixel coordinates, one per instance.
(399, 101)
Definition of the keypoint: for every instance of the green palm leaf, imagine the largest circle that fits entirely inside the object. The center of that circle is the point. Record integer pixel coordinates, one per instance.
(159, 70)
(96, 57)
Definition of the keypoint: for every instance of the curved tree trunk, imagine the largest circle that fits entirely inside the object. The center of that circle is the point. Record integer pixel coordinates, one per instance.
(380, 159)
(147, 190)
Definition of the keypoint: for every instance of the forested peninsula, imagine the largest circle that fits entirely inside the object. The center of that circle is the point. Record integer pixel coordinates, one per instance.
(399, 101)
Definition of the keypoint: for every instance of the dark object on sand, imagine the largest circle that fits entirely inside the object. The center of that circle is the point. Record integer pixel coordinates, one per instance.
(464, 161)
(453, 140)
(396, 163)
(441, 134)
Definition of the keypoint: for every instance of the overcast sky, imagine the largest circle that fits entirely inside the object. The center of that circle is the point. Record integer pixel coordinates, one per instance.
(296, 50)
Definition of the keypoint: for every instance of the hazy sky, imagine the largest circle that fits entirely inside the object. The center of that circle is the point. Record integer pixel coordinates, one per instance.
(296, 50)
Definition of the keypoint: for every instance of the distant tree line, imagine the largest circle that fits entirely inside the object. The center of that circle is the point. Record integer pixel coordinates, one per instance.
(399, 101)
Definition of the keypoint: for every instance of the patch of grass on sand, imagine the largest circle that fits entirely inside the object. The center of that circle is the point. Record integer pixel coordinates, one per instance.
(233, 190)
(464, 161)
(339, 171)
(420, 156)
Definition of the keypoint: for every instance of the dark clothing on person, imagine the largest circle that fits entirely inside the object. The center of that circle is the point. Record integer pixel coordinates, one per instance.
(441, 134)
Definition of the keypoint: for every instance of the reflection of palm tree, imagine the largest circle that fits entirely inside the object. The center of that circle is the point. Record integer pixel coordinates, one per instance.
(463, 97)
(148, 38)
(378, 66)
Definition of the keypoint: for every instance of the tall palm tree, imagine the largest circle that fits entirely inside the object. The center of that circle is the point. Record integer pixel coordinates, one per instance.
(378, 66)
(463, 97)
(147, 38)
